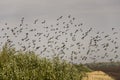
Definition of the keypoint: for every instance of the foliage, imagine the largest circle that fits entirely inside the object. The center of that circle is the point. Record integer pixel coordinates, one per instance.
(18, 65)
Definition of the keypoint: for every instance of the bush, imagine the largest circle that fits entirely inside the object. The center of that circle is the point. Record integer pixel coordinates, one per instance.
(18, 65)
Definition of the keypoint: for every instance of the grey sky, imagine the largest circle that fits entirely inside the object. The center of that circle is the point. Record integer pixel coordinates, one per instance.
(98, 13)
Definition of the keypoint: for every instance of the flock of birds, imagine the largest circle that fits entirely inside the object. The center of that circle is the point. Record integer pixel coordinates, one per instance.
(67, 38)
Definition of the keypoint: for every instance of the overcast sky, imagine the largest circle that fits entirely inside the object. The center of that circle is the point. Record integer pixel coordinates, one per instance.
(98, 13)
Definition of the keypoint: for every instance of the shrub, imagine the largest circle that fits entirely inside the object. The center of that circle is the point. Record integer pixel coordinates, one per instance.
(19, 65)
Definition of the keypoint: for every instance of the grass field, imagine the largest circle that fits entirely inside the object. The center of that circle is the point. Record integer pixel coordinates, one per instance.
(97, 75)
(110, 68)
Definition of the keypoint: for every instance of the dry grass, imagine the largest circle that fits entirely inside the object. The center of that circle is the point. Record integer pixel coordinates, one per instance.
(97, 75)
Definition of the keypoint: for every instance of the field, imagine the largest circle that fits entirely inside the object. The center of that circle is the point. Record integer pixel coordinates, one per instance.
(97, 75)
(110, 68)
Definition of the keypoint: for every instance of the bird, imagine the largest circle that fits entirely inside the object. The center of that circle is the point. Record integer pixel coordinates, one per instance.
(35, 21)
(63, 35)
(43, 22)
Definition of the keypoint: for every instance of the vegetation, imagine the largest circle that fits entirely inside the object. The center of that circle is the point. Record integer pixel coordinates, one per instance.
(105, 66)
(110, 68)
(19, 65)
(97, 75)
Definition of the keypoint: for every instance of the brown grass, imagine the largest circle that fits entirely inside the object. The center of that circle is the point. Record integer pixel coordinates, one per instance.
(97, 75)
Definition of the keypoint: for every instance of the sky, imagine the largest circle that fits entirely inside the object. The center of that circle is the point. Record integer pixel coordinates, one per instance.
(100, 14)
